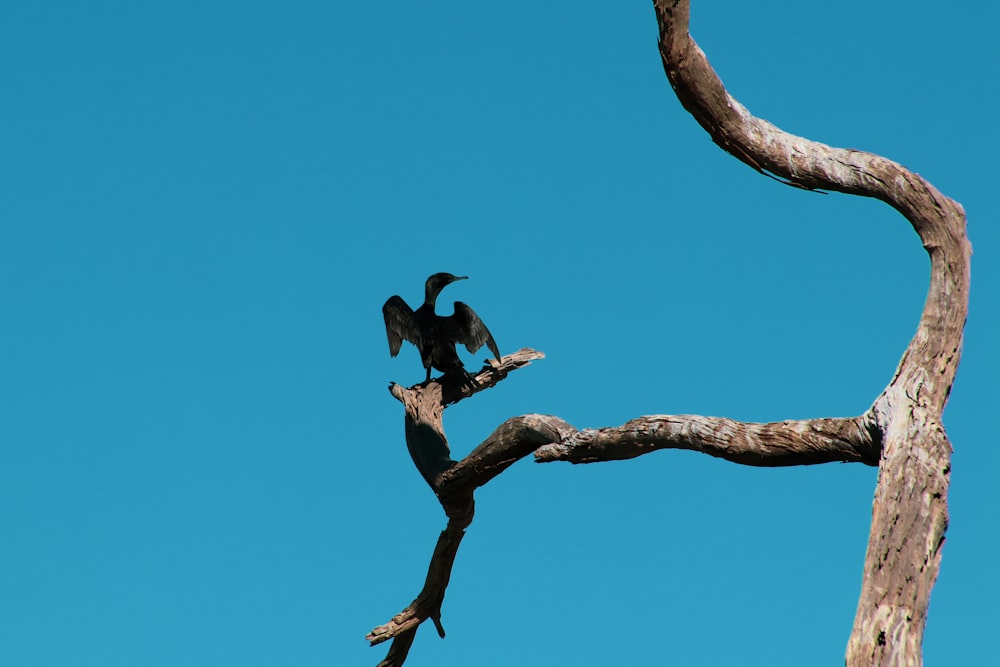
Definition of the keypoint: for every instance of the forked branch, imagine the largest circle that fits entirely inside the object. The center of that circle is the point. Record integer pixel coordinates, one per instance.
(454, 482)
(551, 438)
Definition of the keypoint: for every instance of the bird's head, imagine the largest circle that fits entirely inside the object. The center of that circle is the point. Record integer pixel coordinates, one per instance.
(438, 282)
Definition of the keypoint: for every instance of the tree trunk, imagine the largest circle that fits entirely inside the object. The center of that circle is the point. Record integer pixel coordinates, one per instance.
(910, 513)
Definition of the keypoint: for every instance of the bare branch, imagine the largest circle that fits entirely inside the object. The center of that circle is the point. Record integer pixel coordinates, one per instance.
(454, 390)
(492, 373)
(514, 439)
(910, 510)
(901, 432)
(454, 482)
(424, 405)
(938, 220)
(428, 602)
(784, 443)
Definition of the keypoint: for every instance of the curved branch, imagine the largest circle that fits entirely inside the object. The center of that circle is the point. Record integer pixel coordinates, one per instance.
(454, 482)
(784, 443)
(513, 440)
(910, 512)
(939, 221)
(424, 406)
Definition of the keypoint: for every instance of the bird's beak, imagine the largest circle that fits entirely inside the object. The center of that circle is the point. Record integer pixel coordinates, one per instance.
(461, 277)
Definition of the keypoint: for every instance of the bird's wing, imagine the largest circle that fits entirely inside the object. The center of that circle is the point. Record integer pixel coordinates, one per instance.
(466, 328)
(400, 324)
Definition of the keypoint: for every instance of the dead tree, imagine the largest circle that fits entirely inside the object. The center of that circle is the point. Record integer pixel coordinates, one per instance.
(901, 433)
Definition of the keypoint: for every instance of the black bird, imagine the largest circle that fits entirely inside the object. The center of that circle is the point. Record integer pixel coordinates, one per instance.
(435, 335)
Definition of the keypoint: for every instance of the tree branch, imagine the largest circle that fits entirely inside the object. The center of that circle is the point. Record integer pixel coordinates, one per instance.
(454, 482)
(910, 512)
(784, 443)
(424, 405)
(514, 439)
(901, 432)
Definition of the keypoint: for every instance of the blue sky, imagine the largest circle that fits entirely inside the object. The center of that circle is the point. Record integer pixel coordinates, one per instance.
(203, 208)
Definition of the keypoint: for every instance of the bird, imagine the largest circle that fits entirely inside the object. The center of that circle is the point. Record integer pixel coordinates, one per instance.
(435, 336)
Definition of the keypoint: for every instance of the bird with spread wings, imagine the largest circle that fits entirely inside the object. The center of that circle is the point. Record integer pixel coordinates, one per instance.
(436, 336)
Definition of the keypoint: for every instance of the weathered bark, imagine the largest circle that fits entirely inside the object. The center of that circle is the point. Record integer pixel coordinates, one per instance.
(455, 481)
(776, 444)
(910, 513)
(902, 432)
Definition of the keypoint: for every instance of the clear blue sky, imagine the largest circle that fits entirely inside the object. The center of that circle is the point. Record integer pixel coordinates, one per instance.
(204, 206)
